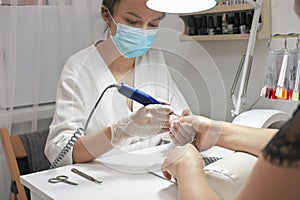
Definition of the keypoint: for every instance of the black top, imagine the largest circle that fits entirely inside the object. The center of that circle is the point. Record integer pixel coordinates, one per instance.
(284, 148)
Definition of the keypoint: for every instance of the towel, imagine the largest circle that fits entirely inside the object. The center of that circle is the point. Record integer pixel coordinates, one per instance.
(34, 144)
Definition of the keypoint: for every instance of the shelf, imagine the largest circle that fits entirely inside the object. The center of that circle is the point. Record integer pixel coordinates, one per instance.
(214, 37)
(183, 38)
(265, 29)
(222, 9)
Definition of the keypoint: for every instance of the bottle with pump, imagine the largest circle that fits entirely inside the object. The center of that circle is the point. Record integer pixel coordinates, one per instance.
(199, 24)
(218, 30)
(230, 25)
(259, 24)
(243, 23)
(236, 25)
(224, 24)
(191, 25)
(204, 25)
(249, 22)
(210, 26)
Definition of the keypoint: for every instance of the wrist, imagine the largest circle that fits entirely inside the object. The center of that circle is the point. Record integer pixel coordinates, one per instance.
(118, 137)
(188, 168)
(217, 131)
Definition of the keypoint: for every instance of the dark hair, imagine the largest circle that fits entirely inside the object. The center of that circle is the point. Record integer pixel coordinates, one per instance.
(110, 5)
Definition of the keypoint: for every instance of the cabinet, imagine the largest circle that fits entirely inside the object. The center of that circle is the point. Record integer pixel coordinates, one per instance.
(227, 10)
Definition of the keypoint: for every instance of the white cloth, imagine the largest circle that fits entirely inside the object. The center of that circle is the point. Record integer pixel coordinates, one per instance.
(84, 77)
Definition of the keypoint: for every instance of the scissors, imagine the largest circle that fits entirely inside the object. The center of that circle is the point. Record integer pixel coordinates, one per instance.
(61, 178)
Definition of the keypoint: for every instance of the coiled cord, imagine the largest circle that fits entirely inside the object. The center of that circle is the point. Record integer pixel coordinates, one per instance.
(67, 148)
(78, 132)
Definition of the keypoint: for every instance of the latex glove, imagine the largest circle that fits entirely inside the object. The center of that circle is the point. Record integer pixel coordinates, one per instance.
(181, 160)
(182, 133)
(147, 121)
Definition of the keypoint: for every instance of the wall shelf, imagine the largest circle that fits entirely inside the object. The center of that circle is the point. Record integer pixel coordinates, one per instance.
(264, 32)
(214, 37)
(222, 9)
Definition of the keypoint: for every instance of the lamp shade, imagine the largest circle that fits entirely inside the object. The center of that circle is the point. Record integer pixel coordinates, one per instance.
(180, 6)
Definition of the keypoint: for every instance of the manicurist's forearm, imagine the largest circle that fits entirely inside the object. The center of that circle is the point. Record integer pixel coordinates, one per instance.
(89, 147)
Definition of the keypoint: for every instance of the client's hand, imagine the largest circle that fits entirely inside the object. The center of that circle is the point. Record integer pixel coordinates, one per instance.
(182, 161)
(147, 121)
(181, 133)
(208, 131)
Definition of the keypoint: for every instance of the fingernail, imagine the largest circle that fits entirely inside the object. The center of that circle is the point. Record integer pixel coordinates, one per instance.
(171, 134)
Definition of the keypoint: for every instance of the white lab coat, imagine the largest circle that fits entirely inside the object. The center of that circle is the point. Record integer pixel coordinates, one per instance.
(84, 77)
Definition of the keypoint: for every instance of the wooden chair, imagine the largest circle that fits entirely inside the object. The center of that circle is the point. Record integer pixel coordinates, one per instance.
(13, 149)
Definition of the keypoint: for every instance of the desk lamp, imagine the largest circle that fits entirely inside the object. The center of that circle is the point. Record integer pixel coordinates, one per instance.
(180, 6)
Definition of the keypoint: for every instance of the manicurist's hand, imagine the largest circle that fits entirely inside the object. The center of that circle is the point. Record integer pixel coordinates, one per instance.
(147, 121)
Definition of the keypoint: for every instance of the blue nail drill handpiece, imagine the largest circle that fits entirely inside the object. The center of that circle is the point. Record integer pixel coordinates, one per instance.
(136, 95)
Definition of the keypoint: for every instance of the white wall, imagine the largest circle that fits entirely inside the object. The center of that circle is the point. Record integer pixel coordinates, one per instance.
(227, 55)
(36, 42)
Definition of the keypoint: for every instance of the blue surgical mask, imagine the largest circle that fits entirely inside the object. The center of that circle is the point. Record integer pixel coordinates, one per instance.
(133, 42)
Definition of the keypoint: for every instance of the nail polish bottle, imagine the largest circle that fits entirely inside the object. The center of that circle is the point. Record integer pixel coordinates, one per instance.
(204, 25)
(243, 23)
(259, 24)
(199, 24)
(236, 25)
(220, 2)
(191, 25)
(249, 22)
(230, 25)
(218, 29)
(224, 24)
(210, 26)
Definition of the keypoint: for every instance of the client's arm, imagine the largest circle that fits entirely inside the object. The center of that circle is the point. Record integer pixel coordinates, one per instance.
(276, 175)
(243, 138)
(228, 135)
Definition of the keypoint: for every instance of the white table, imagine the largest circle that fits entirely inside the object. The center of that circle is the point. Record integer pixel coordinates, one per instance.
(116, 185)
(124, 176)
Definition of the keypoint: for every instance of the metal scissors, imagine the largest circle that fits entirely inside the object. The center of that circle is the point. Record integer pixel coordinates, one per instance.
(61, 178)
